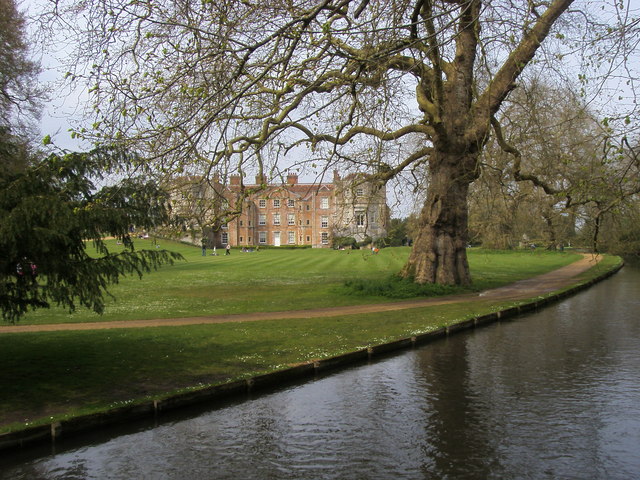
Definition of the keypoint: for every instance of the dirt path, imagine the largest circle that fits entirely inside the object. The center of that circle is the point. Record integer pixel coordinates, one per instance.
(523, 289)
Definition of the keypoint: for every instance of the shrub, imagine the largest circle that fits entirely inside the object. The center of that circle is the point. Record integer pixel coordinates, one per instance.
(398, 287)
(364, 243)
(344, 242)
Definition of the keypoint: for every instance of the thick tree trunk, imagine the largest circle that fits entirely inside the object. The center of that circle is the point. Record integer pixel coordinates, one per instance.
(439, 252)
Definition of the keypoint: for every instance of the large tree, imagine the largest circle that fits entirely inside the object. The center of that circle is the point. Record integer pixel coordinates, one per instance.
(382, 86)
(48, 213)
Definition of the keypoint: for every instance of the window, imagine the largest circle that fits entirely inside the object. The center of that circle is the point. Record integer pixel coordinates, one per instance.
(291, 203)
(361, 218)
(308, 207)
(308, 238)
(262, 237)
(324, 236)
(262, 219)
(241, 223)
(324, 221)
(276, 203)
(292, 237)
(291, 219)
(262, 203)
(359, 192)
(241, 239)
(276, 219)
(225, 238)
(307, 221)
(324, 202)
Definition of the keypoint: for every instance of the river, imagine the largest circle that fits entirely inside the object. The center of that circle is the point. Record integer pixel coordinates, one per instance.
(553, 394)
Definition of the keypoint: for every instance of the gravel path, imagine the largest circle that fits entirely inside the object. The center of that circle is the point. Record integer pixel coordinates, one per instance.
(531, 287)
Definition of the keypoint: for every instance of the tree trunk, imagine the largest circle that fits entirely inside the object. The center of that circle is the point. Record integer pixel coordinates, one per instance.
(439, 252)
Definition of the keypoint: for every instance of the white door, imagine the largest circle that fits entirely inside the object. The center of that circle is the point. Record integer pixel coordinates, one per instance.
(276, 239)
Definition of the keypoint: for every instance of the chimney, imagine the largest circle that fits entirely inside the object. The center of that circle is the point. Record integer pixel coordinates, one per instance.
(234, 179)
(292, 179)
(260, 179)
(336, 176)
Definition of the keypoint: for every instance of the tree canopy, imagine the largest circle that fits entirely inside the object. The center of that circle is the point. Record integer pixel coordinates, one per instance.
(47, 214)
(568, 171)
(385, 87)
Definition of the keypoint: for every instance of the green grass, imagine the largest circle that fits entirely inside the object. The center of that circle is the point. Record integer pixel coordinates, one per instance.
(45, 374)
(278, 279)
(48, 376)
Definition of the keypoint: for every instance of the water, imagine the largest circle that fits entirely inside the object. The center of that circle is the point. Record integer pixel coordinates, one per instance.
(554, 394)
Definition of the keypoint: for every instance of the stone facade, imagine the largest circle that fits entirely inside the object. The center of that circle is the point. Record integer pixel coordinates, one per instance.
(291, 213)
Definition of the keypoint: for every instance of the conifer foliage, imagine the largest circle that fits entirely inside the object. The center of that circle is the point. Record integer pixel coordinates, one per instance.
(48, 213)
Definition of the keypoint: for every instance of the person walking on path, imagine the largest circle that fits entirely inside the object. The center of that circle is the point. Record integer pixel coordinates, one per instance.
(228, 250)
(204, 247)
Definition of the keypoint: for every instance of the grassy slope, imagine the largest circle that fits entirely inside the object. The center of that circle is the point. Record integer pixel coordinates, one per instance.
(49, 375)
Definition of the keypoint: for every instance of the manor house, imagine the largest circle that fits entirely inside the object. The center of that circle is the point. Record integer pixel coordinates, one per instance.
(288, 213)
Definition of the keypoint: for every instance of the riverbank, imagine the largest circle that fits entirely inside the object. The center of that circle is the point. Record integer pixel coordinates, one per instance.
(361, 342)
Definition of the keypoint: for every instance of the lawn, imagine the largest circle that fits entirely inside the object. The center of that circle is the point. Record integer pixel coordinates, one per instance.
(46, 376)
(276, 280)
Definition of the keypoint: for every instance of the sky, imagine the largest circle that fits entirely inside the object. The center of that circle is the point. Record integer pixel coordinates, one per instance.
(63, 108)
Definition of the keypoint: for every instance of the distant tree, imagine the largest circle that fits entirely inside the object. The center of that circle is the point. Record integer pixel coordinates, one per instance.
(343, 242)
(609, 208)
(577, 168)
(620, 231)
(50, 210)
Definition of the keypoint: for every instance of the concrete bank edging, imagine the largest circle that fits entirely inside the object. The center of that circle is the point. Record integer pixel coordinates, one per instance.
(152, 408)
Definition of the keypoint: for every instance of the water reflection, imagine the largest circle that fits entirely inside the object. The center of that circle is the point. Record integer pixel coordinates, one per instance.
(554, 394)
